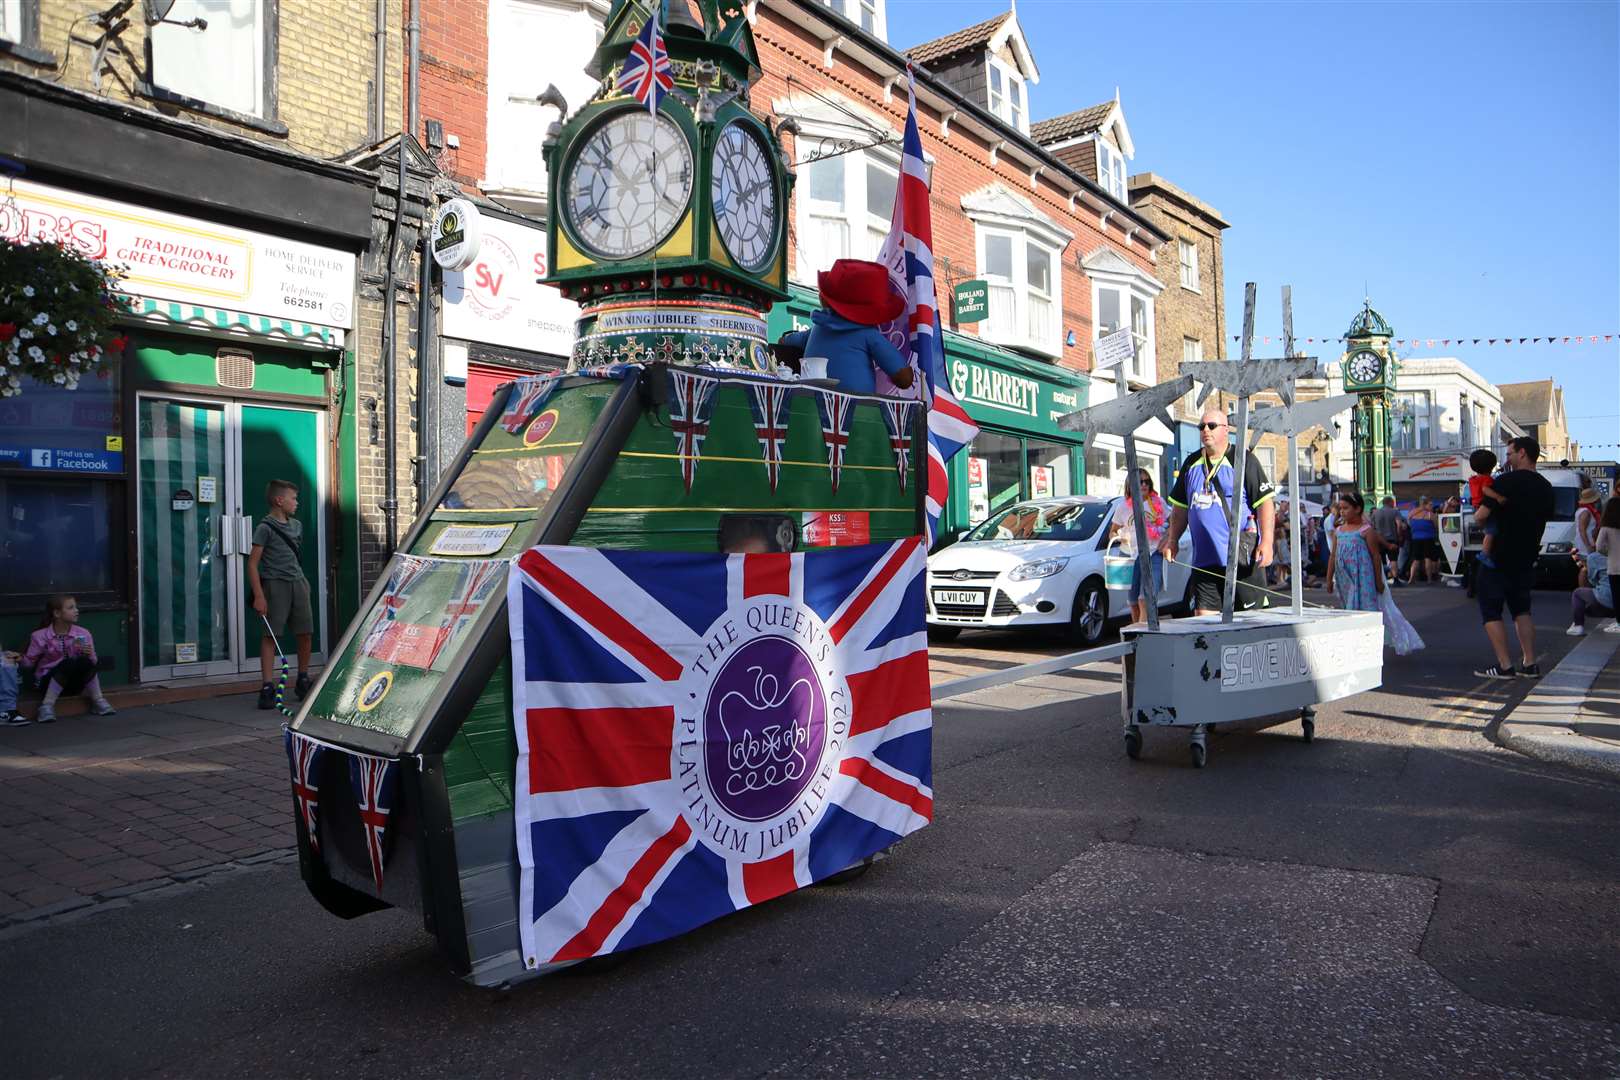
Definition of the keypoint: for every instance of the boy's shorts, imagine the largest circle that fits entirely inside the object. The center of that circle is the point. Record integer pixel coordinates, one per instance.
(288, 603)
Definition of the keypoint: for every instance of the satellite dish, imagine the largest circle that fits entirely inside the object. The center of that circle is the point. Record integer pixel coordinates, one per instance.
(157, 11)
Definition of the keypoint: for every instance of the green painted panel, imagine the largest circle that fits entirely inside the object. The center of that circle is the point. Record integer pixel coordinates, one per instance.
(110, 629)
(284, 444)
(178, 359)
(479, 762)
(183, 581)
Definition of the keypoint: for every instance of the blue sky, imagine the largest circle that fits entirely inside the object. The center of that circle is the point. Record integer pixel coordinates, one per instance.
(1459, 161)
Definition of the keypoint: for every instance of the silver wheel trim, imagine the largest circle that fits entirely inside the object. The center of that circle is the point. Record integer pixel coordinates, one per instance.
(1091, 615)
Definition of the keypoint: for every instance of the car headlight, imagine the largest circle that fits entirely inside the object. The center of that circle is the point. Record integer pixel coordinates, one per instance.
(1559, 548)
(1032, 571)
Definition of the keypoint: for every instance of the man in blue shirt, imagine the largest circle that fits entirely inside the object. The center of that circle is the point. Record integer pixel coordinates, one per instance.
(856, 300)
(1202, 493)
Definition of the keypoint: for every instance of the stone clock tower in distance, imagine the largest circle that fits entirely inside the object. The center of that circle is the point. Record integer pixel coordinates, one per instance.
(1370, 369)
(670, 228)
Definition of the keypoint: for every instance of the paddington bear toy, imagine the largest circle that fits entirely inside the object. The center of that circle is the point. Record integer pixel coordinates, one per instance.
(856, 299)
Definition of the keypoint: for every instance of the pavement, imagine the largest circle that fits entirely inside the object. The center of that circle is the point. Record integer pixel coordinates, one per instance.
(1403, 896)
(1573, 716)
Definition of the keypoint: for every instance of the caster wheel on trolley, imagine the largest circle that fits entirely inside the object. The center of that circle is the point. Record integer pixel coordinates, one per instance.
(1198, 754)
(1307, 724)
(1133, 744)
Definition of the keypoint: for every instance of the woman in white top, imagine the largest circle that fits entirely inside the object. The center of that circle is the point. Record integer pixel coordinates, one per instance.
(1599, 599)
(1586, 530)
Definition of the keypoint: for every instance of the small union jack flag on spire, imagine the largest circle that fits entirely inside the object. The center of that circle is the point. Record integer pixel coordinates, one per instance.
(646, 72)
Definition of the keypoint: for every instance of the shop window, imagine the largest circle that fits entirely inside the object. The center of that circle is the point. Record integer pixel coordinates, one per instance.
(1051, 471)
(995, 474)
(213, 51)
(56, 429)
(60, 535)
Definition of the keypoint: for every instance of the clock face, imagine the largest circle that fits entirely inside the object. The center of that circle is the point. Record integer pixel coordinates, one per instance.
(744, 196)
(1365, 366)
(630, 183)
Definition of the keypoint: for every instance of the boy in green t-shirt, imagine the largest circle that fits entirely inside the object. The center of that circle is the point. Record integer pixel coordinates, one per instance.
(280, 590)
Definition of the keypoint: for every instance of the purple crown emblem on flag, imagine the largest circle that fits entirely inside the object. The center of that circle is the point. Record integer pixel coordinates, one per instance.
(765, 726)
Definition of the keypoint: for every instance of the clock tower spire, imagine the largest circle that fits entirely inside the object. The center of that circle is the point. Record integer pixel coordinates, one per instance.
(1370, 368)
(669, 225)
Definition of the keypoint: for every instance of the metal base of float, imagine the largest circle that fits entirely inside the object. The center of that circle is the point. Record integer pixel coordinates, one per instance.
(1197, 673)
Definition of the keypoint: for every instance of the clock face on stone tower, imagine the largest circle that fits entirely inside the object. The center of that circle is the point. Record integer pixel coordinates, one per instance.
(744, 196)
(629, 184)
(1364, 367)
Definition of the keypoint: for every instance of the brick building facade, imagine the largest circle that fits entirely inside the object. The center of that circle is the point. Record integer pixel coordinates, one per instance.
(234, 166)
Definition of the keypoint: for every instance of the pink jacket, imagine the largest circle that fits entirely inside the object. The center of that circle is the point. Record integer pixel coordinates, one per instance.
(46, 649)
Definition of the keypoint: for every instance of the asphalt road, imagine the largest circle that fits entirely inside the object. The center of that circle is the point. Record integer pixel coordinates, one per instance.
(1401, 897)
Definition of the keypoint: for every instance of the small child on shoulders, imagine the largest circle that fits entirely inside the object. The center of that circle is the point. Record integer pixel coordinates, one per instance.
(63, 656)
(1483, 462)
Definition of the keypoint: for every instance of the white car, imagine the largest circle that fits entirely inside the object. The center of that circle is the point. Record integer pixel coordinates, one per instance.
(1037, 564)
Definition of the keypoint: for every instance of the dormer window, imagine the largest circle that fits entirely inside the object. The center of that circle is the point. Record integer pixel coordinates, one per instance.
(1111, 169)
(867, 14)
(1007, 94)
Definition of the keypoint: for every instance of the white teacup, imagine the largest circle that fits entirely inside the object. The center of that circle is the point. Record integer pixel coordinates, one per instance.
(813, 367)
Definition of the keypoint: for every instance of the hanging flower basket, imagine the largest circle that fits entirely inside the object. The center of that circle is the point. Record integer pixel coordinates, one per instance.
(57, 313)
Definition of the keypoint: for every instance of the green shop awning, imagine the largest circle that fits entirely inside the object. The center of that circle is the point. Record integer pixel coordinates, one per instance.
(996, 386)
(173, 315)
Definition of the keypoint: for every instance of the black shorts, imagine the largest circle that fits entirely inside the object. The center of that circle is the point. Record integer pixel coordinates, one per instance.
(1209, 588)
(1426, 549)
(1498, 587)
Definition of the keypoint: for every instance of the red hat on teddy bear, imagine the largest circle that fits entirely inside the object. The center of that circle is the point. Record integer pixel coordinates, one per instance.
(860, 292)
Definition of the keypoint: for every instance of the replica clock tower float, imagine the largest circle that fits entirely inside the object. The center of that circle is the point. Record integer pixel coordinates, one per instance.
(1370, 368)
(670, 227)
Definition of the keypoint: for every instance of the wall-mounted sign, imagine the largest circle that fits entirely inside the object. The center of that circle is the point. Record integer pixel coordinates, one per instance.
(972, 301)
(497, 300)
(457, 232)
(172, 257)
(63, 458)
(207, 489)
(1008, 398)
(182, 500)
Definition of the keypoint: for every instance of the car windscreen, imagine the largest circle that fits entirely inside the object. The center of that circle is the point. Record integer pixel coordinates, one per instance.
(1050, 521)
(1564, 503)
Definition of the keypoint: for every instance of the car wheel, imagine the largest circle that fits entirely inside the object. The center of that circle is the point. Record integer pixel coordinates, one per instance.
(1089, 618)
(943, 634)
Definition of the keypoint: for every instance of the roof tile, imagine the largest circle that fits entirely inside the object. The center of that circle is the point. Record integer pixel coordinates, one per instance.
(1070, 125)
(941, 47)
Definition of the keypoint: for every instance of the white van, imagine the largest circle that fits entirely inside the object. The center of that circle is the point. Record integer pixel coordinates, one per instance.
(1555, 566)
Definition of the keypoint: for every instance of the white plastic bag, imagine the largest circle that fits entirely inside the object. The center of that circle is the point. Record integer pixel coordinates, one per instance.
(1399, 634)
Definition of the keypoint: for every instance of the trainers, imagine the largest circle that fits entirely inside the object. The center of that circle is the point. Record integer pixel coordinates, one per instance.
(302, 686)
(1530, 671)
(1576, 630)
(46, 714)
(1495, 671)
(14, 719)
(103, 707)
(267, 696)
(1612, 628)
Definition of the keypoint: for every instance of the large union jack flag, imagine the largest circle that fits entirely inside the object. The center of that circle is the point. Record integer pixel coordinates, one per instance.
(646, 72)
(721, 731)
(908, 252)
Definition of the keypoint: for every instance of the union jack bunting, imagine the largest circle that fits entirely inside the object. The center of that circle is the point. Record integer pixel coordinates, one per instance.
(303, 753)
(770, 403)
(691, 401)
(908, 252)
(646, 75)
(525, 399)
(897, 416)
(374, 780)
(837, 410)
(721, 731)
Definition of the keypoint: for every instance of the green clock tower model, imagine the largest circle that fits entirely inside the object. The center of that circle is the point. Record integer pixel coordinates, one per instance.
(1370, 369)
(670, 228)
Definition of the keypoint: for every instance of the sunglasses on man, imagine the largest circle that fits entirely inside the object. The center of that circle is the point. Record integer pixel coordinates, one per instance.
(1211, 427)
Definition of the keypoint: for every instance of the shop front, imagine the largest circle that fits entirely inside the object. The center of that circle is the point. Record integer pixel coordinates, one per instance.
(137, 492)
(498, 323)
(1020, 452)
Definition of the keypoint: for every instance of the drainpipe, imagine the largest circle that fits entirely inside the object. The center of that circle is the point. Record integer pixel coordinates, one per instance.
(379, 78)
(427, 376)
(390, 326)
(413, 34)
